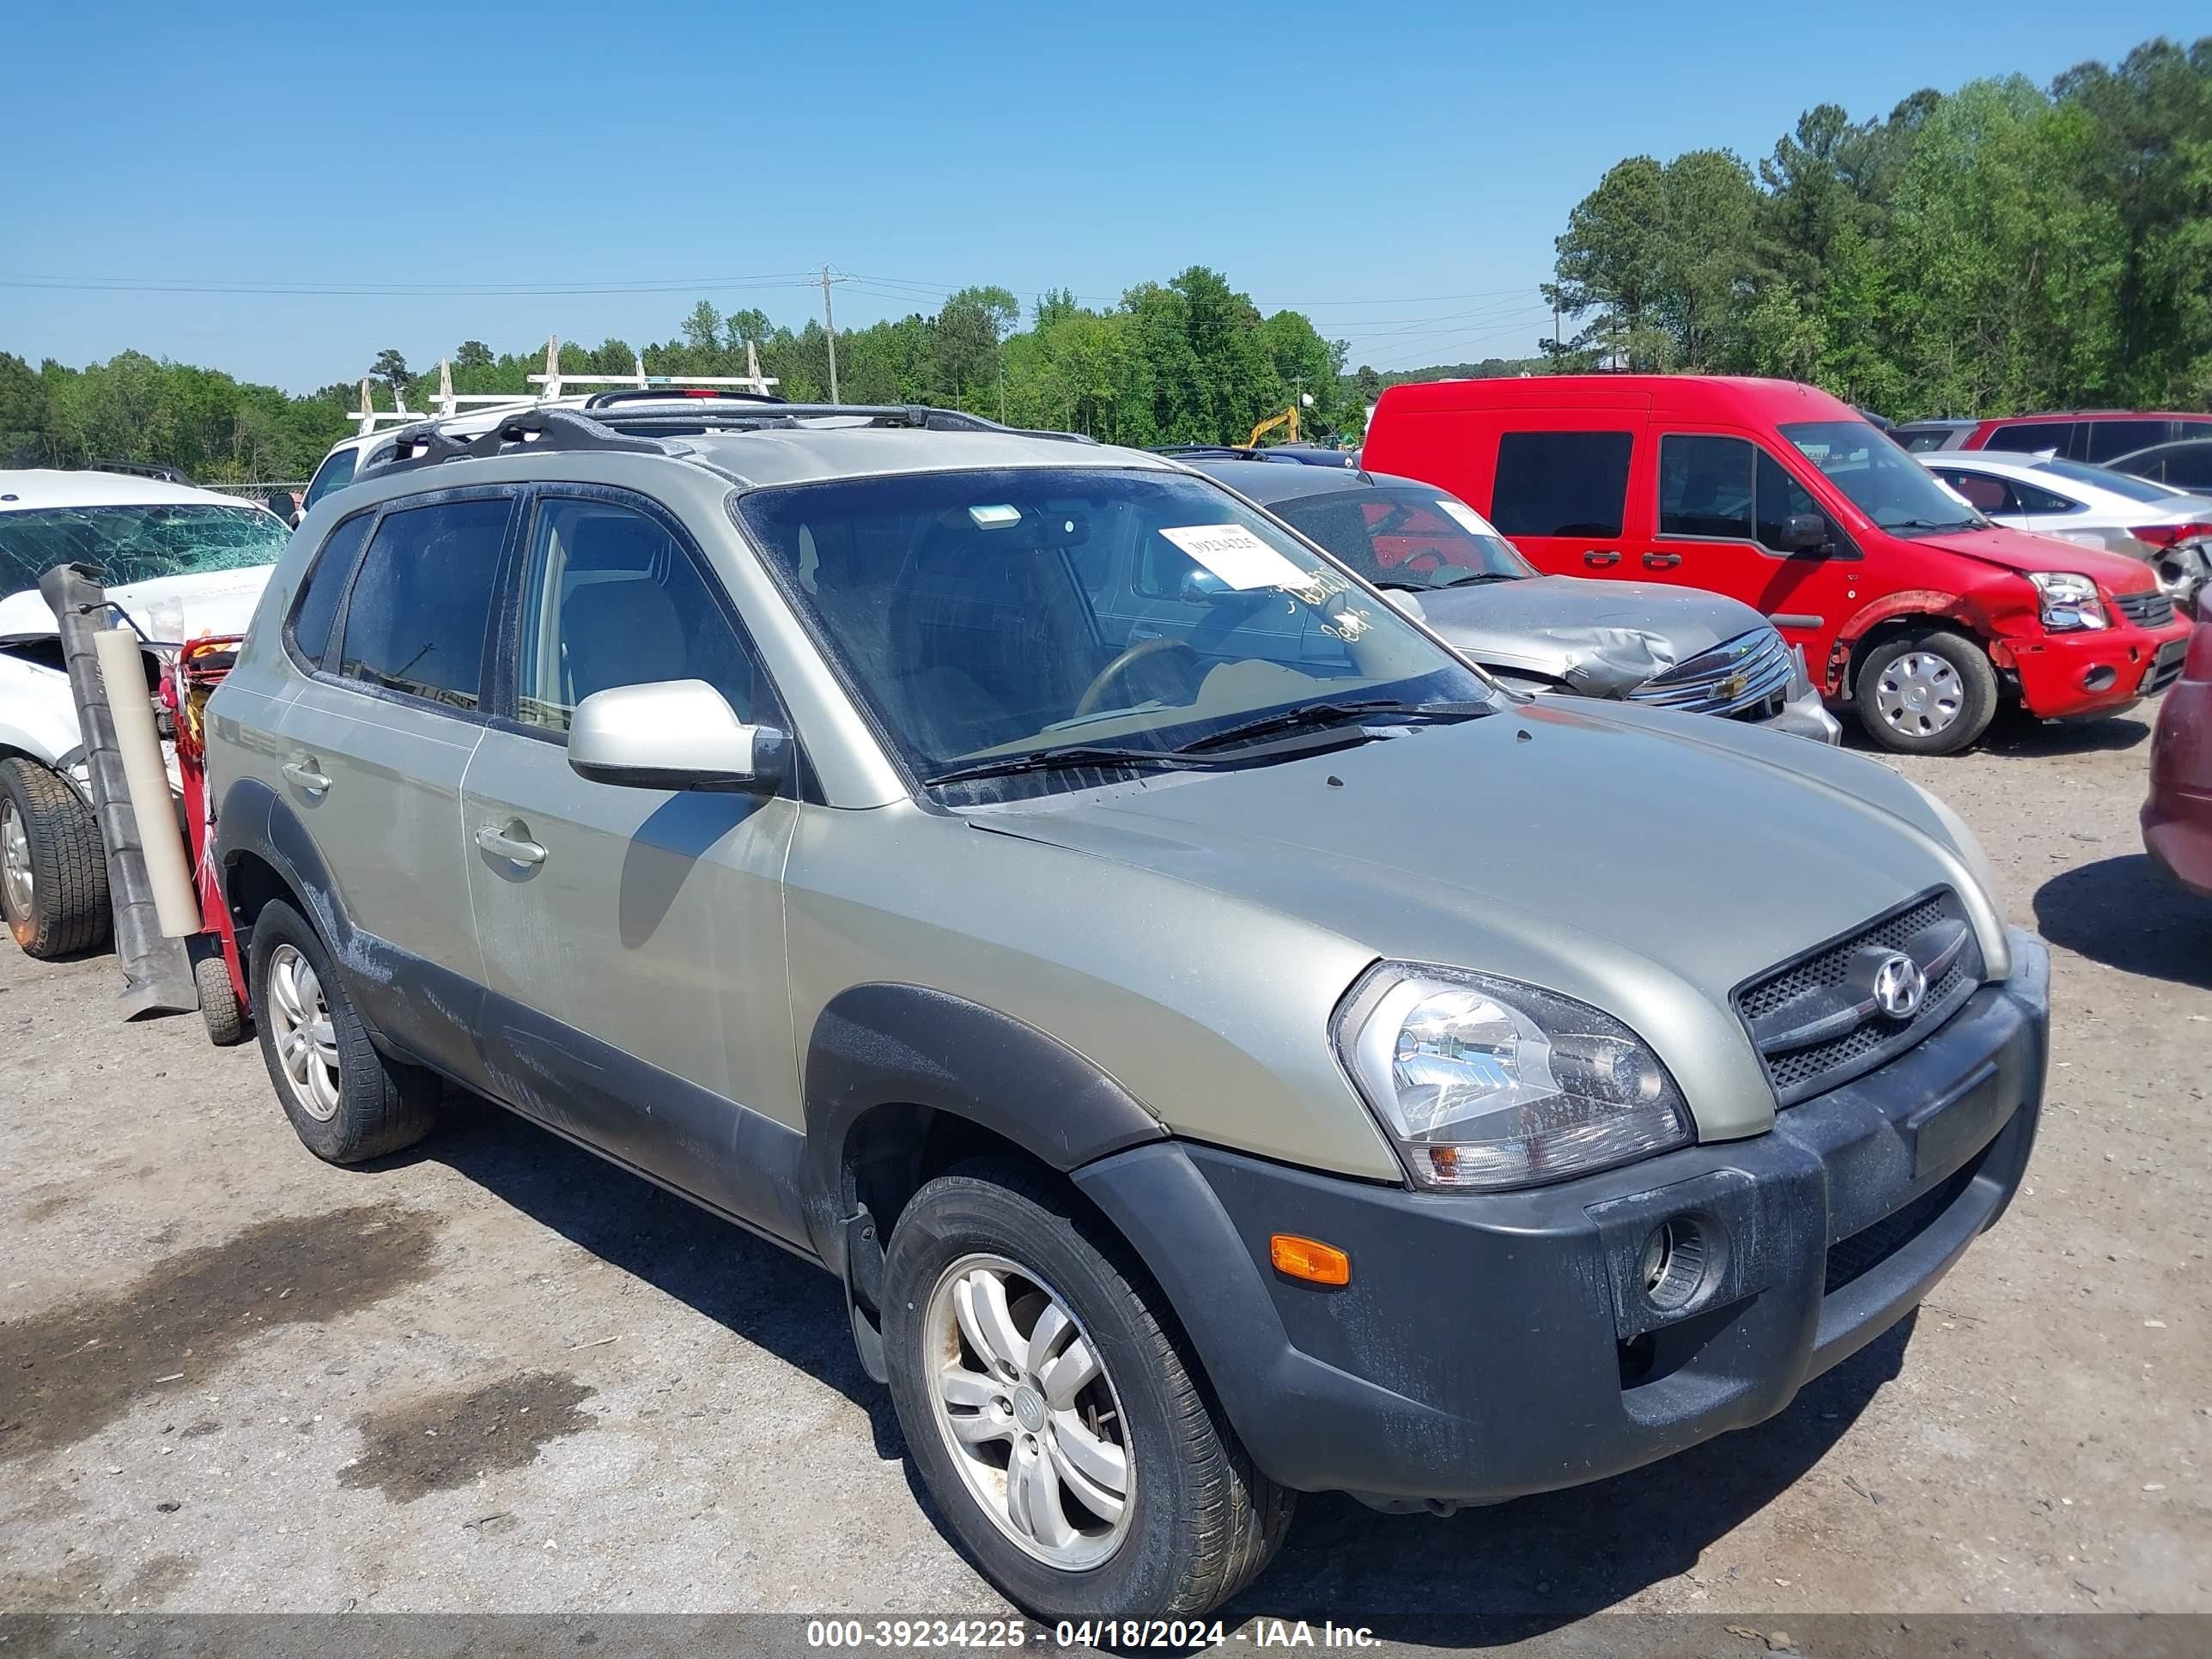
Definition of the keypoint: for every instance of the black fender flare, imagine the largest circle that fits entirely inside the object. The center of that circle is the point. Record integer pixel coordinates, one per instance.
(887, 1043)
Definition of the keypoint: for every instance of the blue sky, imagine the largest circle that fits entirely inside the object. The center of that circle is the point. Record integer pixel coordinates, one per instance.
(722, 150)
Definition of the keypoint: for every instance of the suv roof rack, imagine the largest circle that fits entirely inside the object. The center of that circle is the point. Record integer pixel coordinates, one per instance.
(674, 393)
(659, 431)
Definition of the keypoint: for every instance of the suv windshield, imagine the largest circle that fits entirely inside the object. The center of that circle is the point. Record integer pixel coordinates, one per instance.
(1133, 614)
(1403, 536)
(136, 544)
(1883, 481)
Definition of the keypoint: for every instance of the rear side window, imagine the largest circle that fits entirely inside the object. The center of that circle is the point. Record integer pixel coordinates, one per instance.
(1984, 492)
(2033, 437)
(317, 606)
(416, 620)
(1561, 483)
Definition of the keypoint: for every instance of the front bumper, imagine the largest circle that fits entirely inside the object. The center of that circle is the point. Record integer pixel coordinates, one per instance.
(1491, 1345)
(2096, 672)
(1804, 715)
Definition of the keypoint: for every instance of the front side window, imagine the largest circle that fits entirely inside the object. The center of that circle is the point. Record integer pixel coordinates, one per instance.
(953, 605)
(138, 544)
(1561, 483)
(335, 473)
(1405, 535)
(609, 598)
(1883, 481)
(1984, 493)
(1706, 487)
(317, 605)
(417, 615)
(2108, 438)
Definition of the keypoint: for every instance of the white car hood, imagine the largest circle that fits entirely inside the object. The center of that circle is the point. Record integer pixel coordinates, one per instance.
(168, 610)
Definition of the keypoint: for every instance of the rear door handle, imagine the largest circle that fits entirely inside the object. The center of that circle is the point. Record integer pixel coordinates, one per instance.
(303, 773)
(1661, 561)
(1595, 557)
(500, 844)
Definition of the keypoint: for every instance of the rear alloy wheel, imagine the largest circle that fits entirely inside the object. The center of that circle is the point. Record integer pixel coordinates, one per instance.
(1926, 693)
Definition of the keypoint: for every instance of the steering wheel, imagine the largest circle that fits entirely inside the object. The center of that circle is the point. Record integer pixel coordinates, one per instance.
(1094, 693)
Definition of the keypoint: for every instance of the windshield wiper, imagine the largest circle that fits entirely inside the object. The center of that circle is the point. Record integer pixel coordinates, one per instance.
(1476, 578)
(1930, 524)
(1322, 715)
(1061, 758)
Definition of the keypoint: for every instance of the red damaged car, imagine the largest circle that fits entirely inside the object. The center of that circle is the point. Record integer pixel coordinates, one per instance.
(2177, 819)
(1911, 608)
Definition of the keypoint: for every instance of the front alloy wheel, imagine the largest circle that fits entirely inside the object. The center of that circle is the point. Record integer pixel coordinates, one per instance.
(1028, 1416)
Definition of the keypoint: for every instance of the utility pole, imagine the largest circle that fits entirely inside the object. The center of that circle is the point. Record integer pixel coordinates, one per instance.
(829, 328)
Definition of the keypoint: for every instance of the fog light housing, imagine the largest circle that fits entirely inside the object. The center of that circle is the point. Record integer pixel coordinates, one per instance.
(2099, 678)
(1672, 1270)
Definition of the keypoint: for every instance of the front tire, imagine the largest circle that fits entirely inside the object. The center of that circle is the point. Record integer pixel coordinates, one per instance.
(1080, 1459)
(347, 1100)
(1929, 693)
(54, 869)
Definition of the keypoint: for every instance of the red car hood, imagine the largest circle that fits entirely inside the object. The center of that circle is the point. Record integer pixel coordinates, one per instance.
(2015, 549)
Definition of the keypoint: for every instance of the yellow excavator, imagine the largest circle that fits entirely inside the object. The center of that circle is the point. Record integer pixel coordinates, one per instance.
(1289, 417)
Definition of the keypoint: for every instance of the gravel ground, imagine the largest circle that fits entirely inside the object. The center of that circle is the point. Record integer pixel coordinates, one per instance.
(495, 1374)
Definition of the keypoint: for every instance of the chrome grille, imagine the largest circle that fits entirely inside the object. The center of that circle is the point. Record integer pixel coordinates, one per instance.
(1744, 674)
(2150, 610)
(1816, 995)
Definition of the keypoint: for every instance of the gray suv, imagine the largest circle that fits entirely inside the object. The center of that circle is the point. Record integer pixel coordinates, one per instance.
(1257, 1056)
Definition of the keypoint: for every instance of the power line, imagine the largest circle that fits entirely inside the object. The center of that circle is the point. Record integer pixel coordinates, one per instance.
(402, 290)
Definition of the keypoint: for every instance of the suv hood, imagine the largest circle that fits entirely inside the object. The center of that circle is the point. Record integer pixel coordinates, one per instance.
(2016, 549)
(1601, 639)
(1645, 862)
(168, 610)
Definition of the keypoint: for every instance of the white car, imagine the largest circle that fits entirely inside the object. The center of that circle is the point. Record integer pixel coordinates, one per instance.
(178, 561)
(2167, 528)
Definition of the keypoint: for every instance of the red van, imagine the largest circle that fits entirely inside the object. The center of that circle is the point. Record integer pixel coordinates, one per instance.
(1911, 607)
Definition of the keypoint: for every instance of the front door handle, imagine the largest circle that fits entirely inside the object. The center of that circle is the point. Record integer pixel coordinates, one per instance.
(303, 773)
(500, 844)
(1596, 557)
(1661, 561)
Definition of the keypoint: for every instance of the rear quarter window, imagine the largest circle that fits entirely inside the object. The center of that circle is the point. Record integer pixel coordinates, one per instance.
(317, 604)
(1561, 483)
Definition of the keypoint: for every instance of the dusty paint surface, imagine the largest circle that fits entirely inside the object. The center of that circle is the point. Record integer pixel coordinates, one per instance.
(2040, 1442)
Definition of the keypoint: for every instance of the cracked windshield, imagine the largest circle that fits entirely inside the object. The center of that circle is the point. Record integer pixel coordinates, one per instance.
(1008, 621)
(136, 544)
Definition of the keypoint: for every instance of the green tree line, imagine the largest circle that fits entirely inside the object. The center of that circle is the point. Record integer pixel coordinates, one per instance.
(1189, 360)
(1999, 248)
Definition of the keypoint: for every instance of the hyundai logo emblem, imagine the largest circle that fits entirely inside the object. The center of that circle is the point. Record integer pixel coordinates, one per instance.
(1899, 987)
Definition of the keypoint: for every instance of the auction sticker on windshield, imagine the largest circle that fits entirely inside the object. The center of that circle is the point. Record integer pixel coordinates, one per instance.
(1464, 516)
(1237, 556)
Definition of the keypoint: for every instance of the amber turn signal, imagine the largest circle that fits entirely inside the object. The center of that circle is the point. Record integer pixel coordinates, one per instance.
(1309, 1258)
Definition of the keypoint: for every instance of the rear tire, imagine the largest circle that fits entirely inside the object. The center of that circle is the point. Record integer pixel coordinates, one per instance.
(347, 1100)
(1929, 693)
(1195, 1522)
(54, 869)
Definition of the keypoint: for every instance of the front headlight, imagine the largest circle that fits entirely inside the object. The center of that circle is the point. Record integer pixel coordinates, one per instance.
(1487, 1083)
(2070, 602)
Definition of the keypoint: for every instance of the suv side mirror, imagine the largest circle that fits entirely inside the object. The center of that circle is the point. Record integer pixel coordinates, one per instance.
(1807, 532)
(675, 734)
